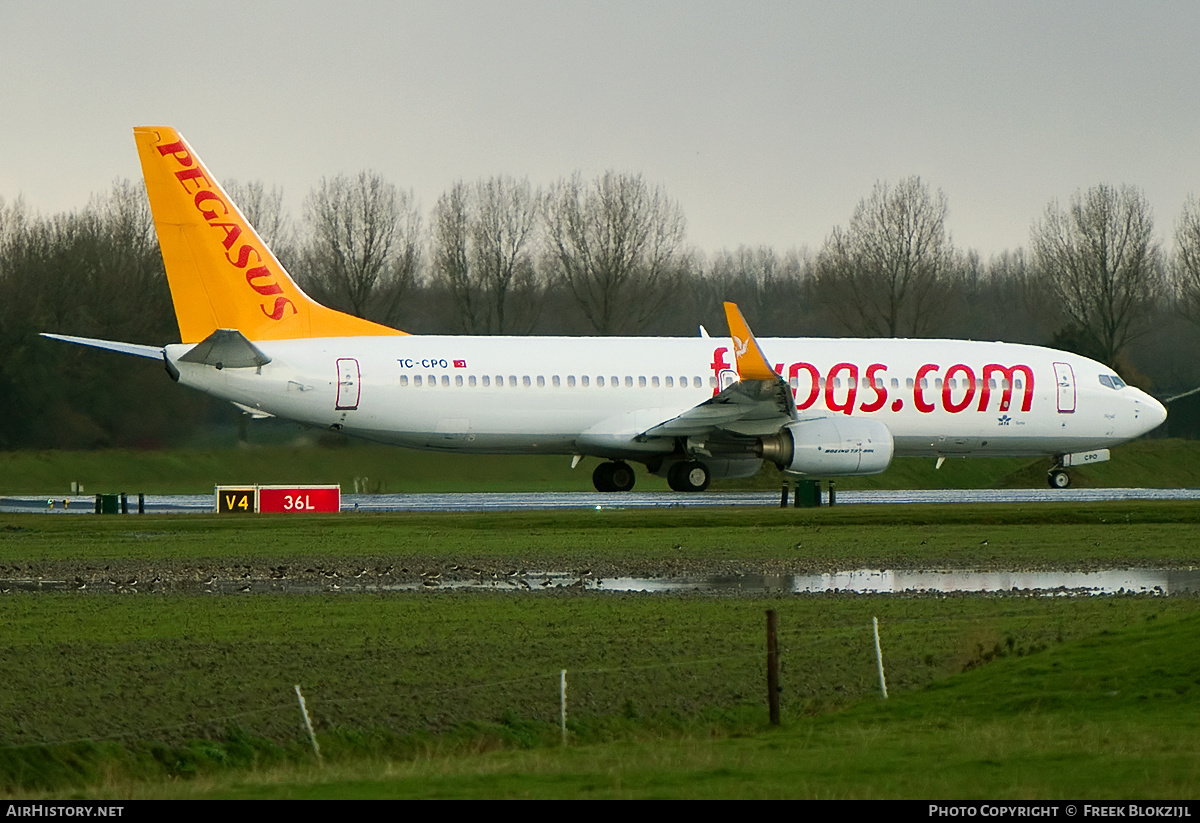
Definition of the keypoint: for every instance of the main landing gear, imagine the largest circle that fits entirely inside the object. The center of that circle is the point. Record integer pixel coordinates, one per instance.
(1058, 478)
(613, 476)
(688, 476)
(685, 476)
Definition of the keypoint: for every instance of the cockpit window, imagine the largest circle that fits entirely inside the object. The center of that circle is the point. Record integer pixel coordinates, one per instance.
(1112, 381)
(1105, 380)
(1117, 382)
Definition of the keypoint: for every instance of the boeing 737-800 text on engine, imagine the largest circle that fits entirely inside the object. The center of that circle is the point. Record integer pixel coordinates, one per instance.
(690, 409)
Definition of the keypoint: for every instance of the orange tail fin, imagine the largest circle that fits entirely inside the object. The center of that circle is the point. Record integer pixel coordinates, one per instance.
(221, 273)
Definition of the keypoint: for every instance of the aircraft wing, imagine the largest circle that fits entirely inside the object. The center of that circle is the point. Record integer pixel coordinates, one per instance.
(152, 352)
(749, 407)
(759, 403)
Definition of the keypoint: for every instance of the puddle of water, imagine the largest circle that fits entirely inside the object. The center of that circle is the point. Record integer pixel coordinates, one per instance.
(883, 581)
(861, 581)
(1161, 582)
(1107, 581)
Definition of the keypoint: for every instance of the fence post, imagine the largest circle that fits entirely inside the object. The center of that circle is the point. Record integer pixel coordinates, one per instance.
(308, 725)
(879, 658)
(773, 666)
(562, 704)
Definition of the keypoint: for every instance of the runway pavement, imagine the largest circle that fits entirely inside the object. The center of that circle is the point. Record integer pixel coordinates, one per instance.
(479, 502)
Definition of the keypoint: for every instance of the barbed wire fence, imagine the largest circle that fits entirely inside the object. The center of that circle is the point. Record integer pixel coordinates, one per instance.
(828, 667)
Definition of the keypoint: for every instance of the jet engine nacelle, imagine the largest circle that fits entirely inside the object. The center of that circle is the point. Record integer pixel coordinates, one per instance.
(828, 447)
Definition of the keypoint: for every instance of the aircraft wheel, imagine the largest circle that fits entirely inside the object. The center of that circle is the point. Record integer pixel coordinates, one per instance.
(1059, 479)
(613, 476)
(602, 478)
(622, 476)
(692, 476)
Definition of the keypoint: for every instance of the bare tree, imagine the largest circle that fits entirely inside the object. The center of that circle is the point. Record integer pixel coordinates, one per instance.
(617, 247)
(95, 272)
(1102, 265)
(264, 209)
(125, 262)
(508, 213)
(482, 236)
(1187, 259)
(769, 287)
(1015, 303)
(451, 256)
(363, 247)
(882, 275)
(742, 277)
(14, 219)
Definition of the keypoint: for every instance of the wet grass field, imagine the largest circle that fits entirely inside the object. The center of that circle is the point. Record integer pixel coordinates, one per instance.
(112, 689)
(379, 469)
(1076, 536)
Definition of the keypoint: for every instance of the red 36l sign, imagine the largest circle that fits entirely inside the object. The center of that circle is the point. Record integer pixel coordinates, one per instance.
(281, 499)
(299, 499)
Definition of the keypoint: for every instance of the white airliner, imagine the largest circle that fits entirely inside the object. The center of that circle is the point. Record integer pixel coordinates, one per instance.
(689, 409)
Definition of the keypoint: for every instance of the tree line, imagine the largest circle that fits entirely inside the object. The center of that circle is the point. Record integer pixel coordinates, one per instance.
(599, 256)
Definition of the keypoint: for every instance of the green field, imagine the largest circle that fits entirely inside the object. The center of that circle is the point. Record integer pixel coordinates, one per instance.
(121, 690)
(1104, 718)
(1152, 534)
(457, 697)
(1143, 463)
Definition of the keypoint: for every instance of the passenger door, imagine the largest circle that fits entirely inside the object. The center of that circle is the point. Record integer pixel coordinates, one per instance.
(1064, 377)
(348, 389)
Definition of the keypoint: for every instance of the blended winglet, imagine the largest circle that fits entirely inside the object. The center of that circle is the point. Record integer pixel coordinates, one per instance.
(751, 362)
(221, 273)
(756, 405)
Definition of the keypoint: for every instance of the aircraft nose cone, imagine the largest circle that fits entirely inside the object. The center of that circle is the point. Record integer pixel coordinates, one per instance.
(1157, 412)
(1150, 413)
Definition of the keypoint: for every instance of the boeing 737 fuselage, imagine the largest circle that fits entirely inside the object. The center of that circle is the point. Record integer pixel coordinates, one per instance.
(690, 409)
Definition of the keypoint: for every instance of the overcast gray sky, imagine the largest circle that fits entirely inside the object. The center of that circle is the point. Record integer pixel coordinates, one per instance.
(768, 122)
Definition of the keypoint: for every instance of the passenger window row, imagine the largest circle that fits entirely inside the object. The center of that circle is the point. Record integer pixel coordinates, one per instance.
(683, 382)
(925, 383)
(554, 381)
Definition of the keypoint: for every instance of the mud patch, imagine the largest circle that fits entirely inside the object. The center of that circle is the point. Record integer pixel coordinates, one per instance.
(132, 577)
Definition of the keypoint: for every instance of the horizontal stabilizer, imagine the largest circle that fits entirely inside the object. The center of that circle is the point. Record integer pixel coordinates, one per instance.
(152, 352)
(226, 349)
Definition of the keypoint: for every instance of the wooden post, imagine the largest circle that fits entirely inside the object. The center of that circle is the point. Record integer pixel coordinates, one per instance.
(879, 658)
(308, 725)
(772, 666)
(562, 704)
